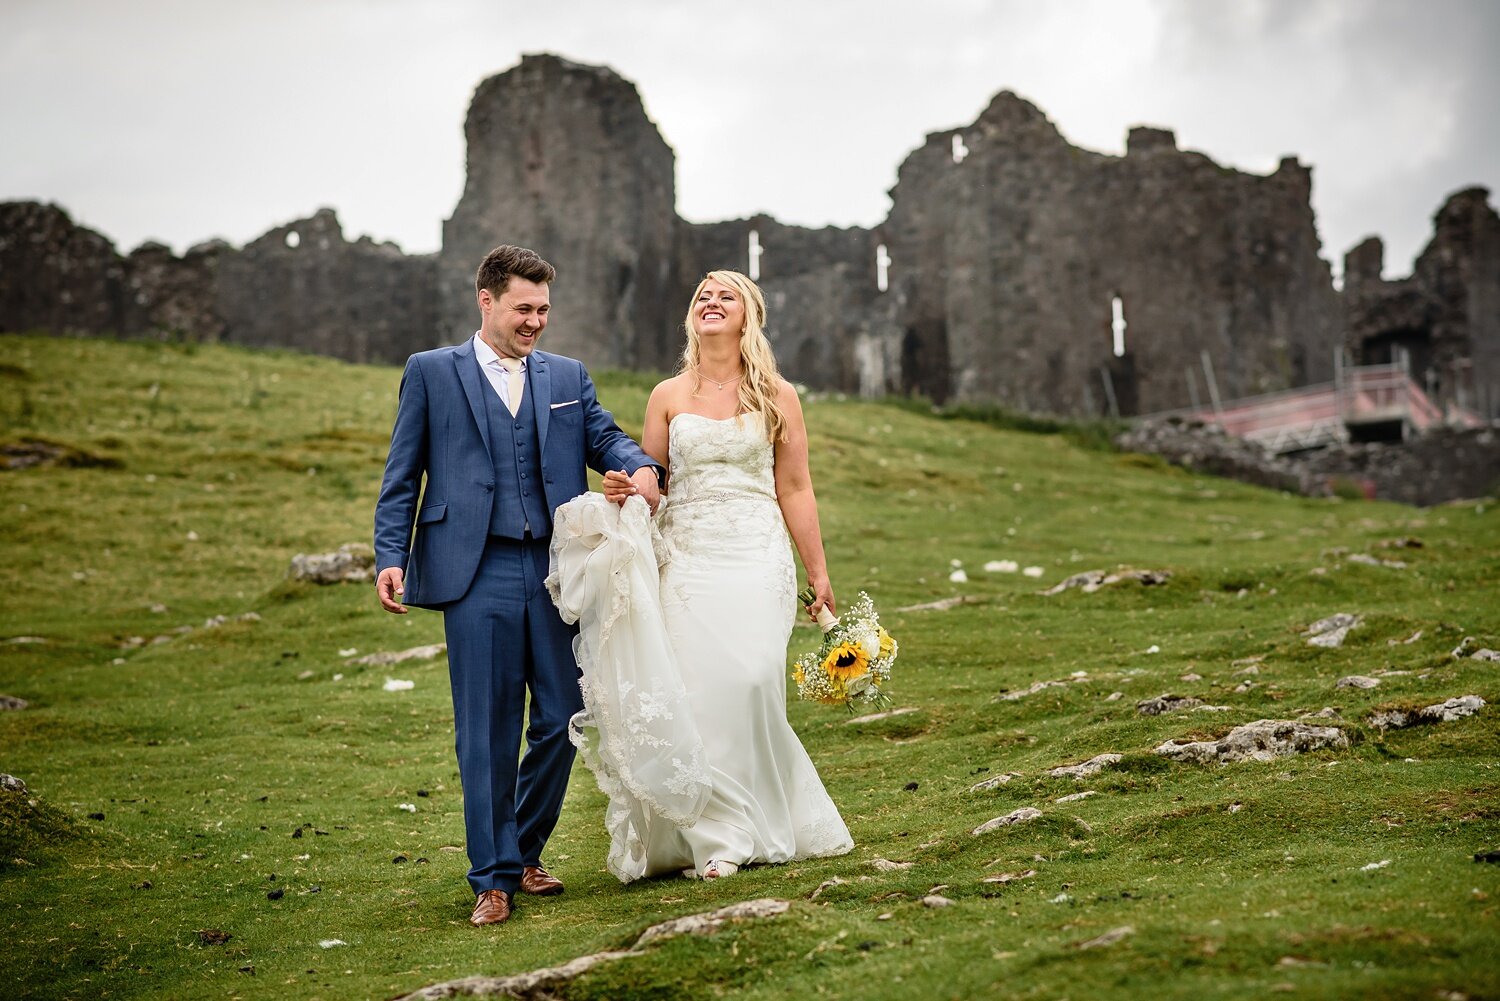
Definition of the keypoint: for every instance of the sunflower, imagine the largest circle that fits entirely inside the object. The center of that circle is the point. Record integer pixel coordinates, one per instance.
(846, 661)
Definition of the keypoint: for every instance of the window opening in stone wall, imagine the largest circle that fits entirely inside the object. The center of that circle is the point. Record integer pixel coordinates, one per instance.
(293, 239)
(755, 252)
(1117, 324)
(882, 268)
(959, 149)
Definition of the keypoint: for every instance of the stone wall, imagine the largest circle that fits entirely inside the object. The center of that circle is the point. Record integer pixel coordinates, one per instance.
(1444, 318)
(301, 286)
(58, 276)
(1007, 261)
(820, 294)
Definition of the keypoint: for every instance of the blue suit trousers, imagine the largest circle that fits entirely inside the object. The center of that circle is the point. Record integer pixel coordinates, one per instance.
(505, 639)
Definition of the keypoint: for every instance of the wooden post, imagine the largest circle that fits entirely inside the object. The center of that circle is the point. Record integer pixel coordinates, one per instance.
(1213, 386)
(1109, 392)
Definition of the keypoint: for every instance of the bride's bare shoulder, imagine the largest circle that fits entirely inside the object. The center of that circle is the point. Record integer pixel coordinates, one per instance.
(673, 389)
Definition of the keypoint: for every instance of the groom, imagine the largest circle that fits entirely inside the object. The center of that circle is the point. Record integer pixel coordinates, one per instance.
(501, 433)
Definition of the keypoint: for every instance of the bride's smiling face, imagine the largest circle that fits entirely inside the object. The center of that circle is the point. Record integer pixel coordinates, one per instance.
(718, 310)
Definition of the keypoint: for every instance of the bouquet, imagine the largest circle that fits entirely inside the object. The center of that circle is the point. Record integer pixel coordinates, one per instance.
(853, 663)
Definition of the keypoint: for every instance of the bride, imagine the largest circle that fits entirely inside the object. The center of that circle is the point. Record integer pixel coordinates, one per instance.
(693, 747)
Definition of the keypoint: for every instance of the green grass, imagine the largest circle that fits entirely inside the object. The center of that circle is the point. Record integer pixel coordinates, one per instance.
(192, 475)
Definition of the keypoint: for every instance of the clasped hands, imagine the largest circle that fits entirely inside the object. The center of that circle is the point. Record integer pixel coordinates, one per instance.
(618, 487)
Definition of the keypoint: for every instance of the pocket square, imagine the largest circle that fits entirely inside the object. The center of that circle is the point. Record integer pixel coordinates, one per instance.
(569, 403)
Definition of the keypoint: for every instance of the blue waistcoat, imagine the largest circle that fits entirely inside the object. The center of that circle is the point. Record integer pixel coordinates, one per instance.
(519, 500)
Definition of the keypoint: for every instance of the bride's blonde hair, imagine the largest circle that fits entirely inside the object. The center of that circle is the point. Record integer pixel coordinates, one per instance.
(762, 382)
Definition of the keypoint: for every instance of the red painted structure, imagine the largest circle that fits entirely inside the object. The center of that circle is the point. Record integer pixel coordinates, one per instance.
(1371, 402)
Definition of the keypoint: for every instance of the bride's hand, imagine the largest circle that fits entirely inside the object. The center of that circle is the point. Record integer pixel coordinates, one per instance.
(822, 595)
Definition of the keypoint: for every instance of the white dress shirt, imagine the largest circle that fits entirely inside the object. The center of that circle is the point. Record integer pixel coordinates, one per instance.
(489, 364)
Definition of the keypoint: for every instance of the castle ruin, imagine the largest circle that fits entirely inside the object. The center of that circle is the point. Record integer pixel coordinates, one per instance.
(1007, 260)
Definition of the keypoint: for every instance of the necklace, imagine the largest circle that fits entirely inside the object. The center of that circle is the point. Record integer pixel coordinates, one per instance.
(716, 382)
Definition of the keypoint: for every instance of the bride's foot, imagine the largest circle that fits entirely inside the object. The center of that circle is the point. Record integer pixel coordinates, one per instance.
(718, 868)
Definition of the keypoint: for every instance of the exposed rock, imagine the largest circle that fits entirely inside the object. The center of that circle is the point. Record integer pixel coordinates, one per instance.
(705, 924)
(1357, 681)
(384, 658)
(1009, 877)
(1485, 654)
(1440, 465)
(23, 640)
(10, 783)
(1370, 561)
(1330, 632)
(1441, 712)
(537, 985)
(888, 714)
(827, 884)
(1020, 816)
(1206, 448)
(544, 984)
(30, 452)
(221, 620)
(1108, 938)
(1092, 580)
(1262, 740)
(1092, 766)
(886, 865)
(1032, 690)
(937, 900)
(1073, 797)
(942, 604)
(1166, 704)
(12, 702)
(353, 561)
(994, 782)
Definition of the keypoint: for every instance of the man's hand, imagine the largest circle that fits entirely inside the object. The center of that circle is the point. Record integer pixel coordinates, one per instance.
(390, 586)
(618, 487)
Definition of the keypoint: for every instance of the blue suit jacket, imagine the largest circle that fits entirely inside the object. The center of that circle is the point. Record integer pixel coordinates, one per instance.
(441, 433)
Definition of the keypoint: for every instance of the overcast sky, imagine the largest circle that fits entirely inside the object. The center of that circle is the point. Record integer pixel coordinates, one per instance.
(183, 120)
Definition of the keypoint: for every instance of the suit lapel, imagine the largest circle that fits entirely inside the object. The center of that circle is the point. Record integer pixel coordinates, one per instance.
(541, 399)
(470, 378)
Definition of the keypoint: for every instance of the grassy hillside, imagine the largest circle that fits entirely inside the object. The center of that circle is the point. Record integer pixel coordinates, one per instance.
(179, 777)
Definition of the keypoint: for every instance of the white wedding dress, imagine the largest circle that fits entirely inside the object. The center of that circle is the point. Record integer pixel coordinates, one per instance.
(684, 676)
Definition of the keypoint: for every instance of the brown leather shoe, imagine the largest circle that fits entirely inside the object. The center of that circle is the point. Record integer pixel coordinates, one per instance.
(535, 879)
(491, 908)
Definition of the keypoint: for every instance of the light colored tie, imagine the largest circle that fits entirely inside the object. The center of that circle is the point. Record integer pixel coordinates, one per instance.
(515, 383)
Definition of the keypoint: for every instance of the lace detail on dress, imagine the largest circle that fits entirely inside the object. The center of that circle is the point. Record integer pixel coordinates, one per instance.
(723, 498)
(636, 732)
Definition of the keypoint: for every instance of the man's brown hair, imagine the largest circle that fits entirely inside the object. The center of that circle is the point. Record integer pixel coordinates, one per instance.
(500, 264)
